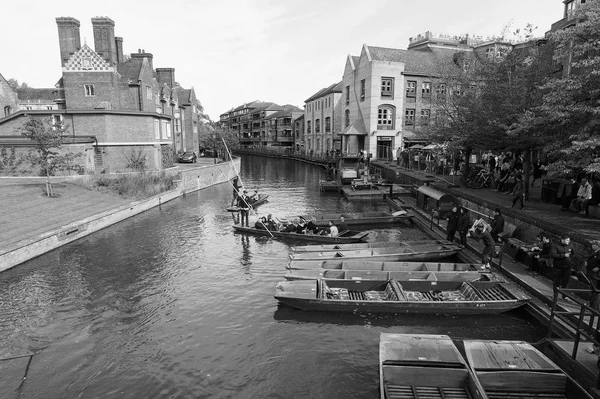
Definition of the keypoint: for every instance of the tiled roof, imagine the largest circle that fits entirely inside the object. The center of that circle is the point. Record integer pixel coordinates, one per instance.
(433, 62)
(130, 69)
(251, 104)
(288, 110)
(183, 96)
(334, 88)
(39, 95)
(293, 108)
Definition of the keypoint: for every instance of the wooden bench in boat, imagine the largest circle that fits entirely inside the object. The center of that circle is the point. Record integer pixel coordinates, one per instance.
(409, 382)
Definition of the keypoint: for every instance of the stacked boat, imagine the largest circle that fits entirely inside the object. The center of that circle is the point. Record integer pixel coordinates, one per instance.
(392, 278)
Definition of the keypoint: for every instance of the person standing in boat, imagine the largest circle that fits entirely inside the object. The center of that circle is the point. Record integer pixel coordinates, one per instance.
(342, 226)
(452, 225)
(236, 189)
(333, 231)
(244, 205)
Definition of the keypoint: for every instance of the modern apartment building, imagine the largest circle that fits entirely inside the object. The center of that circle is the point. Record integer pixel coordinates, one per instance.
(323, 120)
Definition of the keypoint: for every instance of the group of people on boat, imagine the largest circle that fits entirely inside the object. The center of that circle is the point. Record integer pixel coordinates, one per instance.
(298, 225)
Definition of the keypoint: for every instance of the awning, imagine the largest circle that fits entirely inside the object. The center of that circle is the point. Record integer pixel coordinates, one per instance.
(416, 147)
(434, 146)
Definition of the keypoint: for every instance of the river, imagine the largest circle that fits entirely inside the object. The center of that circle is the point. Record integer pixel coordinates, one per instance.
(173, 304)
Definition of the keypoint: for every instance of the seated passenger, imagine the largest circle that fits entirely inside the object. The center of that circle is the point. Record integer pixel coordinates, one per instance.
(311, 226)
(291, 228)
(301, 228)
(254, 197)
(342, 226)
(271, 223)
(333, 231)
(261, 224)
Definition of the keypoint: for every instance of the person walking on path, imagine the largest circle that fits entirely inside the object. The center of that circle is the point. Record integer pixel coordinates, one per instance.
(593, 274)
(480, 233)
(464, 223)
(562, 254)
(497, 224)
(519, 191)
(452, 225)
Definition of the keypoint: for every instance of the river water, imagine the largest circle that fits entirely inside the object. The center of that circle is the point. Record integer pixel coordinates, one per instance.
(173, 304)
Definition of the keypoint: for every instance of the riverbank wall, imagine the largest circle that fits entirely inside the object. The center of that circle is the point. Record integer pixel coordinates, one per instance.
(190, 179)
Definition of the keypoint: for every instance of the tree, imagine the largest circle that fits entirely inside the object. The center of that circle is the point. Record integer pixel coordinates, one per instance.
(212, 136)
(568, 119)
(48, 139)
(14, 83)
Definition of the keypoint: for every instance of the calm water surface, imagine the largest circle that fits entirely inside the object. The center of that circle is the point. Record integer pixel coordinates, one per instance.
(173, 304)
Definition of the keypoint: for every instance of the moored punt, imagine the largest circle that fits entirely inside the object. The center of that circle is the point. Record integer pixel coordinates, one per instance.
(514, 369)
(341, 264)
(364, 245)
(315, 274)
(391, 296)
(399, 253)
(344, 237)
(359, 219)
(424, 366)
(262, 198)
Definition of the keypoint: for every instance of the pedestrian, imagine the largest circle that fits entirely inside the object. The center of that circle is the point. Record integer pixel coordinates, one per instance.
(542, 262)
(452, 225)
(518, 191)
(398, 156)
(244, 205)
(593, 274)
(497, 224)
(464, 223)
(562, 255)
(480, 233)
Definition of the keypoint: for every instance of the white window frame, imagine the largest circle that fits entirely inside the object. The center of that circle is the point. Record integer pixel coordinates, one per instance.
(149, 95)
(89, 91)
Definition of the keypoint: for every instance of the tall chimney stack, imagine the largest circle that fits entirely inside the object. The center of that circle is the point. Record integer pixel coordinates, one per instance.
(119, 46)
(166, 76)
(69, 38)
(104, 39)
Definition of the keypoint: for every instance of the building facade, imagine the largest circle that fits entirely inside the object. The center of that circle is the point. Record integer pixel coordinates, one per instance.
(132, 111)
(323, 120)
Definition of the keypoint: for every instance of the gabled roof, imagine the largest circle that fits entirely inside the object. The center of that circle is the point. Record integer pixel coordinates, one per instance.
(356, 128)
(42, 95)
(417, 61)
(288, 110)
(251, 104)
(334, 88)
(86, 60)
(266, 106)
(2, 78)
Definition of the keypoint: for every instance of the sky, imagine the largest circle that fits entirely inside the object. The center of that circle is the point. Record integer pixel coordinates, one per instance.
(237, 51)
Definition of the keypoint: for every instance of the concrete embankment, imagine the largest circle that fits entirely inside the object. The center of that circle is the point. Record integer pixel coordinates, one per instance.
(62, 225)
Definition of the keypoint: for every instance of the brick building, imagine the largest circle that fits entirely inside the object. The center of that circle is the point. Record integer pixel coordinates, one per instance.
(128, 108)
(323, 120)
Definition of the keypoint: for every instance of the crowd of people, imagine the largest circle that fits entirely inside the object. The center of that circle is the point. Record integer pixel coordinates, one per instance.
(300, 225)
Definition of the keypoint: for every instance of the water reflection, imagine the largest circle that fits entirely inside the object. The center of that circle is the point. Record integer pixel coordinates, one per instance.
(172, 303)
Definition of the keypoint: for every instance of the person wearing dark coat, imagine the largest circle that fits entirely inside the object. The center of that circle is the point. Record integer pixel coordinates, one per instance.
(518, 191)
(244, 204)
(452, 226)
(562, 254)
(480, 234)
(464, 222)
(497, 224)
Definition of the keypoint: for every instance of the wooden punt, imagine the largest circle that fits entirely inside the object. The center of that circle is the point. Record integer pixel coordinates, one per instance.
(333, 274)
(391, 296)
(424, 366)
(262, 198)
(347, 236)
(361, 219)
(515, 369)
(383, 266)
(399, 253)
(365, 245)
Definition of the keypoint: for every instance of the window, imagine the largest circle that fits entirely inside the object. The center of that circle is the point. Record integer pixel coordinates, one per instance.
(457, 90)
(387, 87)
(347, 95)
(177, 125)
(49, 107)
(163, 129)
(441, 89)
(7, 110)
(411, 88)
(148, 92)
(327, 125)
(156, 129)
(89, 90)
(425, 114)
(317, 126)
(308, 128)
(29, 108)
(363, 89)
(409, 116)
(168, 129)
(426, 89)
(385, 118)
(347, 118)
(57, 120)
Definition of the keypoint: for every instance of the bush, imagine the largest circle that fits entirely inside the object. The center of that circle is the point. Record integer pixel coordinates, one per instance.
(138, 185)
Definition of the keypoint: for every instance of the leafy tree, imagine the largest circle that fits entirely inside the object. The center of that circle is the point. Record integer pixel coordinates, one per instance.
(48, 139)
(14, 83)
(212, 136)
(568, 117)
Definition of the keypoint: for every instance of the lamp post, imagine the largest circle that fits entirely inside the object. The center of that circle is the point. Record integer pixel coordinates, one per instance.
(214, 136)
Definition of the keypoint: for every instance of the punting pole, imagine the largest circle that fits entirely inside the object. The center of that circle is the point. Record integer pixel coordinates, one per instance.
(249, 206)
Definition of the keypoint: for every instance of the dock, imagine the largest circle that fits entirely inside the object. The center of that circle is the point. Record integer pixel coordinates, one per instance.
(375, 191)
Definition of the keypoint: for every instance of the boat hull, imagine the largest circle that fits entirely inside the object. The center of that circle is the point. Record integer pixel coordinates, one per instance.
(346, 237)
(361, 219)
(365, 245)
(334, 274)
(340, 264)
(399, 253)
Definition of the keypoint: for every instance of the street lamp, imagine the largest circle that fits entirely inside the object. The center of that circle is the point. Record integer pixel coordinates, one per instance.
(214, 136)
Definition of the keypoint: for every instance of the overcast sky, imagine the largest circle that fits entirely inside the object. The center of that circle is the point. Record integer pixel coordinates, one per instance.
(237, 51)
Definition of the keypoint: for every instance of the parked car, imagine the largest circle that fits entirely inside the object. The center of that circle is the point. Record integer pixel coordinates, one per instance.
(189, 157)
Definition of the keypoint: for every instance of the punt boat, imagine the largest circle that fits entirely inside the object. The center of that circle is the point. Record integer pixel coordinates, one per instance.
(347, 236)
(336, 274)
(399, 253)
(364, 245)
(424, 366)
(391, 296)
(340, 264)
(515, 369)
(262, 198)
(360, 219)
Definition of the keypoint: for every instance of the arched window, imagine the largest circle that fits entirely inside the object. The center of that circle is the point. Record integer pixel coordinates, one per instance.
(386, 117)
(7, 110)
(347, 118)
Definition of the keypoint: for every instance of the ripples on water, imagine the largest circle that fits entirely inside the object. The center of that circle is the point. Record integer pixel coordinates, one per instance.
(172, 303)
